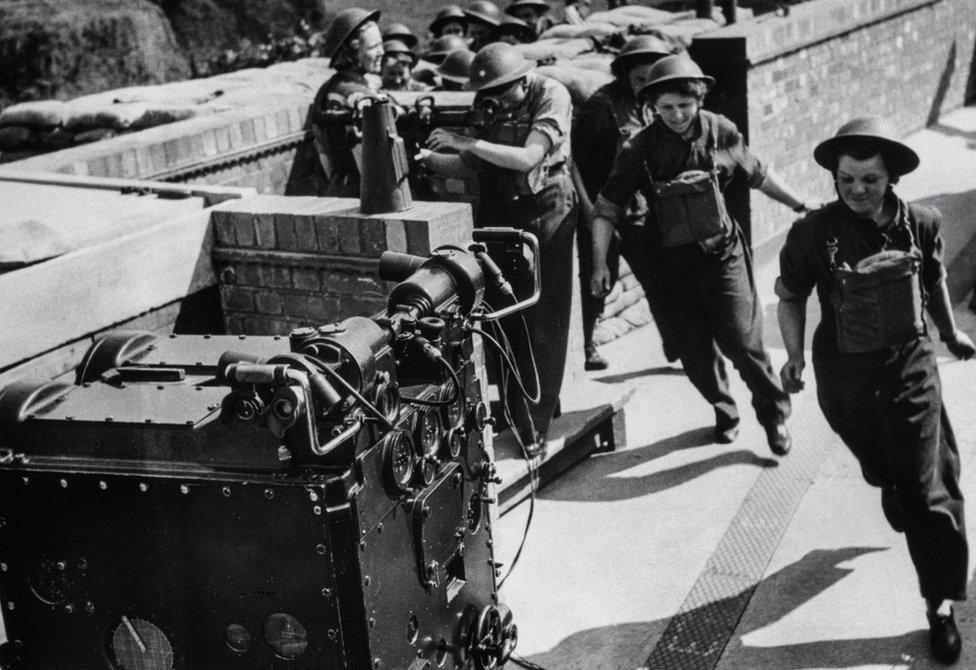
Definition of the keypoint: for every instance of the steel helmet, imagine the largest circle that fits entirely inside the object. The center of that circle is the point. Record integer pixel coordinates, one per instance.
(538, 5)
(484, 11)
(457, 66)
(515, 26)
(442, 46)
(448, 14)
(899, 158)
(675, 67)
(398, 31)
(344, 25)
(497, 64)
(398, 48)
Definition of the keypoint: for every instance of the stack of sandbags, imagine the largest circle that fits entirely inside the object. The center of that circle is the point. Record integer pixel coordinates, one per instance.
(599, 30)
(563, 48)
(635, 15)
(26, 125)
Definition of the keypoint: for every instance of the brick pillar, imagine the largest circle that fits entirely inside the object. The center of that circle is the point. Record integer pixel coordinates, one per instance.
(283, 261)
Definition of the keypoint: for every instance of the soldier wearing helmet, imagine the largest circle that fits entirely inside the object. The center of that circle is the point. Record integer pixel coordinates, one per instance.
(609, 117)
(455, 71)
(682, 162)
(450, 20)
(874, 259)
(397, 72)
(355, 45)
(400, 32)
(513, 31)
(522, 160)
(533, 12)
(483, 17)
(443, 46)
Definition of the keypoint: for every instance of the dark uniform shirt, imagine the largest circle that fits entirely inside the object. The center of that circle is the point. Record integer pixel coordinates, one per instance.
(660, 154)
(548, 109)
(603, 123)
(805, 262)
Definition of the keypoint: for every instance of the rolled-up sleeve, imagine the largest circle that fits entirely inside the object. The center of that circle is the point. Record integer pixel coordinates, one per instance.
(554, 115)
(797, 274)
(735, 144)
(932, 247)
(628, 174)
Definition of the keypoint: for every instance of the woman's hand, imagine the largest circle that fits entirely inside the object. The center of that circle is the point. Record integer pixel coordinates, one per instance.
(442, 139)
(600, 279)
(959, 345)
(791, 375)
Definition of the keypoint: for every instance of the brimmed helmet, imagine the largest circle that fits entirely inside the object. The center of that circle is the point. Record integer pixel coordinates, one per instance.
(516, 26)
(398, 48)
(638, 47)
(538, 5)
(899, 158)
(673, 68)
(485, 11)
(457, 66)
(495, 65)
(344, 26)
(448, 14)
(442, 46)
(398, 31)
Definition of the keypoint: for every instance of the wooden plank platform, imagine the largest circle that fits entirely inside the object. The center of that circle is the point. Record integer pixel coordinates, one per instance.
(592, 421)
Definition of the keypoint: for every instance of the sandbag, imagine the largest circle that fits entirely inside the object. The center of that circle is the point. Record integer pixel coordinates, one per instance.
(563, 49)
(38, 114)
(588, 28)
(598, 62)
(84, 115)
(95, 135)
(639, 12)
(158, 116)
(582, 83)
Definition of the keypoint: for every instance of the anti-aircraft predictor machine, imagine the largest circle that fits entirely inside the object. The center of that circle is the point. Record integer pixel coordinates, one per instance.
(312, 501)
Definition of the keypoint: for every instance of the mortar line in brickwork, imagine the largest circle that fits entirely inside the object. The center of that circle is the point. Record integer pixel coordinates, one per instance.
(696, 636)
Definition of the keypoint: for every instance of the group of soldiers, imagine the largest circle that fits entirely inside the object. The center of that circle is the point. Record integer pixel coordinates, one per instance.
(639, 170)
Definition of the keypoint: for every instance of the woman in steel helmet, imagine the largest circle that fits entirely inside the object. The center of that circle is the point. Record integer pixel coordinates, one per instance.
(601, 125)
(682, 162)
(876, 262)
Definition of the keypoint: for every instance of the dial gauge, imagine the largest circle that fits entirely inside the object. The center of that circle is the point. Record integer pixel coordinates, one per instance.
(137, 644)
(428, 431)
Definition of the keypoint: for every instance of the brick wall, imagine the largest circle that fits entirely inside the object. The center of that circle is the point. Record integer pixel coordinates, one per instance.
(789, 82)
(283, 262)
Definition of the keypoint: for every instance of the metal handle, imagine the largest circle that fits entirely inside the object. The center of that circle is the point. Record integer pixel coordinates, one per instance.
(533, 243)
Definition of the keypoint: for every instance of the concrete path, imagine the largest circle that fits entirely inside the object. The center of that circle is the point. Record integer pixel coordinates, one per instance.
(779, 566)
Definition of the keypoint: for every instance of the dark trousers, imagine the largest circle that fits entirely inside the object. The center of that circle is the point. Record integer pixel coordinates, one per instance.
(590, 305)
(551, 216)
(716, 306)
(887, 407)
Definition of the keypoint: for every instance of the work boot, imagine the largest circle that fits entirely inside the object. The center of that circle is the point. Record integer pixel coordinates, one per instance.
(534, 441)
(892, 509)
(944, 637)
(594, 361)
(778, 436)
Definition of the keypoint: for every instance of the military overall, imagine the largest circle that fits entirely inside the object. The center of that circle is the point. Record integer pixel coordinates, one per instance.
(877, 378)
(543, 202)
(704, 259)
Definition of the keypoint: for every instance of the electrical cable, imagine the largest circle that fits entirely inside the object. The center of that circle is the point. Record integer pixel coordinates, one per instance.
(440, 403)
(533, 398)
(353, 392)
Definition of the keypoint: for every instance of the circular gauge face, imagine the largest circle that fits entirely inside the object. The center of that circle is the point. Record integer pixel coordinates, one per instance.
(388, 400)
(428, 470)
(455, 442)
(137, 644)
(398, 461)
(428, 431)
(286, 636)
(238, 638)
(49, 583)
(454, 413)
(479, 416)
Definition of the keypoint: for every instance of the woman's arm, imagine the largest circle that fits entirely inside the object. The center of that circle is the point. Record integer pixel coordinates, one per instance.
(444, 164)
(940, 309)
(774, 187)
(792, 316)
(519, 159)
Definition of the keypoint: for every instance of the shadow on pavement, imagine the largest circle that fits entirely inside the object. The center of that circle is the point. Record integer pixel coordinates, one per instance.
(646, 372)
(595, 480)
(602, 648)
